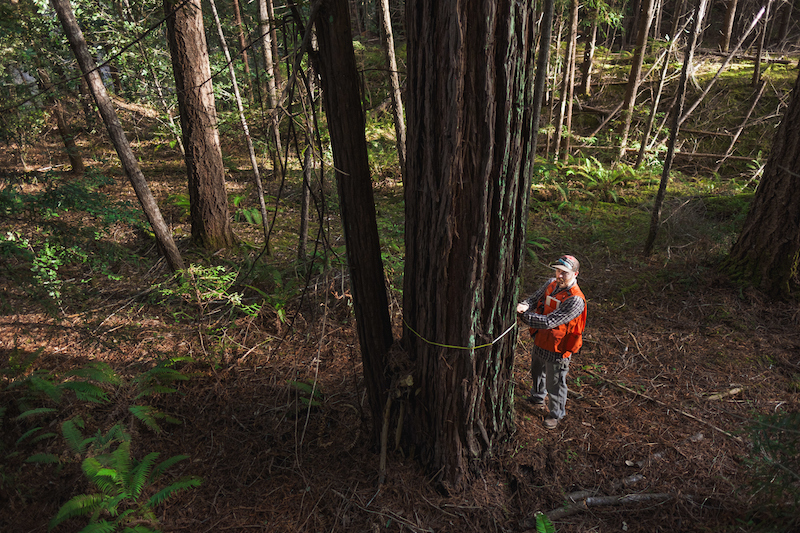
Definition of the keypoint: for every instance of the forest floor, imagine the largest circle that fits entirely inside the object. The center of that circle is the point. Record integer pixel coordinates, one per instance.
(676, 364)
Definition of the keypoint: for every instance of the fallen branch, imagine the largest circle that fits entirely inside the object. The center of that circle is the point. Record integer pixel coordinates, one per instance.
(598, 501)
(659, 402)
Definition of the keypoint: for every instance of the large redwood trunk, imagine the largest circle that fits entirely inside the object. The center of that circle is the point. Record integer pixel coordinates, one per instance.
(207, 195)
(767, 253)
(470, 144)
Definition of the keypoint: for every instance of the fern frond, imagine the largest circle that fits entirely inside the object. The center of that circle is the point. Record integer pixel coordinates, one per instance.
(39, 438)
(91, 466)
(154, 389)
(39, 382)
(35, 412)
(103, 526)
(121, 458)
(80, 505)
(147, 415)
(167, 492)
(543, 524)
(162, 467)
(140, 529)
(28, 434)
(86, 392)
(43, 458)
(141, 473)
(71, 429)
(96, 371)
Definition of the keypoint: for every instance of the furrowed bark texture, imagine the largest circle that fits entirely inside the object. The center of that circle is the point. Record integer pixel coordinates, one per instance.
(340, 95)
(470, 145)
(767, 253)
(207, 195)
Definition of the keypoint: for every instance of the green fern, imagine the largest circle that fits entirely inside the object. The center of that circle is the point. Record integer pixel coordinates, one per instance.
(121, 481)
(543, 524)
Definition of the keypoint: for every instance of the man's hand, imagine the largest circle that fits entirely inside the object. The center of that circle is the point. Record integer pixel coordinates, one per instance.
(522, 307)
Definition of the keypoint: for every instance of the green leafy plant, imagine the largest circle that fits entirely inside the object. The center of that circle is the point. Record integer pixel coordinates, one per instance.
(123, 484)
(311, 394)
(208, 285)
(543, 524)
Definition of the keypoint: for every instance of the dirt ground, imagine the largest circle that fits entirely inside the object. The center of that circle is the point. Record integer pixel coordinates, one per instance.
(671, 372)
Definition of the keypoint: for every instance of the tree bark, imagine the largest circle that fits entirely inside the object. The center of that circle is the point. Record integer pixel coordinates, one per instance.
(727, 26)
(634, 78)
(767, 252)
(588, 55)
(265, 26)
(394, 78)
(78, 44)
(340, 94)
(471, 145)
(206, 173)
(64, 129)
(655, 218)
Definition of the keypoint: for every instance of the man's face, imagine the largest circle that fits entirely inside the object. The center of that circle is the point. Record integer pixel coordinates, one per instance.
(564, 278)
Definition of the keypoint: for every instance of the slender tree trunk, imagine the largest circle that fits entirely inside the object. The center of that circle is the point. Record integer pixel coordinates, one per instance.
(588, 55)
(786, 21)
(245, 129)
(634, 78)
(115, 131)
(727, 26)
(237, 14)
(206, 173)
(305, 205)
(655, 219)
(273, 34)
(394, 78)
(767, 252)
(342, 102)
(570, 75)
(89, 111)
(757, 67)
(542, 63)
(470, 149)
(265, 27)
(557, 110)
(64, 130)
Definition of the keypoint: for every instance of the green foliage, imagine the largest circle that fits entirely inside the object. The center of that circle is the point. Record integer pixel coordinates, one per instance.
(774, 467)
(543, 524)
(205, 286)
(127, 488)
(311, 394)
(35, 261)
(122, 482)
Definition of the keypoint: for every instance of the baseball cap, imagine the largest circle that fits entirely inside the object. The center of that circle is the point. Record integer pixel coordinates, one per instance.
(567, 263)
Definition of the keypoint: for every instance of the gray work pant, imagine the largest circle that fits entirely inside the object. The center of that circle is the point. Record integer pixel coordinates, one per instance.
(550, 379)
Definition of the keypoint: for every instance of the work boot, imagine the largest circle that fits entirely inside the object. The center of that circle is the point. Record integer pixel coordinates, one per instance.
(550, 421)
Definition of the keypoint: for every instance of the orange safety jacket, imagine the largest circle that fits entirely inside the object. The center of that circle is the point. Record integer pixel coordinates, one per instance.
(565, 339)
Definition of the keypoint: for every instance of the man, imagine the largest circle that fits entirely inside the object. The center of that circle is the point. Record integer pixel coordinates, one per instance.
(556, 314)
